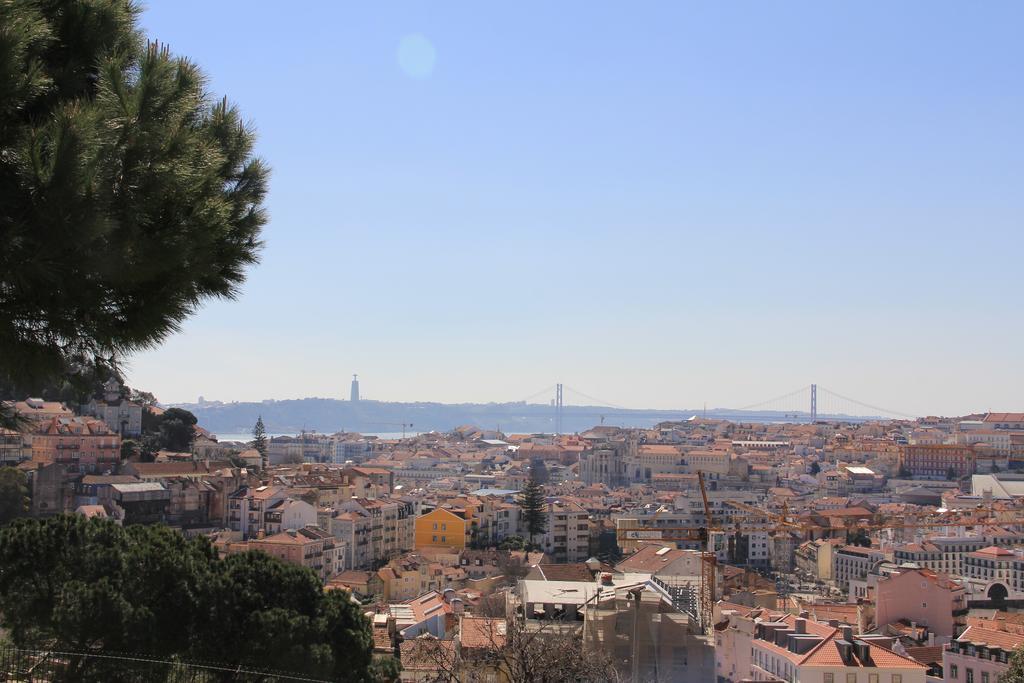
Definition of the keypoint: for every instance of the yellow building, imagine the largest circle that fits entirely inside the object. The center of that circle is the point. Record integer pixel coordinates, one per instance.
(442, 528)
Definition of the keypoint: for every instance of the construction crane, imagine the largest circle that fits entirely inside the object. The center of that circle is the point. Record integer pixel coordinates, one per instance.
(708, 565)
(403, 425)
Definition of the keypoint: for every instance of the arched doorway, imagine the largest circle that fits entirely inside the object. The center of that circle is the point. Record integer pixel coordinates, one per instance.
(997, 592)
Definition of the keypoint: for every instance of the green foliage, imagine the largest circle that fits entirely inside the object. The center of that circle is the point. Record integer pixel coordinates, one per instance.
(127, 196)
(385, 669)
(539, 471)
(259, 441)
(172, 430)
(91, 585)
(814, 469)
(533, 508)
(858, 537)
(1015, 671)
(144, 398)
(129, 449)
(512, 543)
(950, 474)
(14, 500)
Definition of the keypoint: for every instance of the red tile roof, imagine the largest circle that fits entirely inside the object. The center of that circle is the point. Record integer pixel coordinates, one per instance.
(991, 638)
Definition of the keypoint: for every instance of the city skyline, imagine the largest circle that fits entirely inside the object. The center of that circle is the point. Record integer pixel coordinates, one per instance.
(665, 208)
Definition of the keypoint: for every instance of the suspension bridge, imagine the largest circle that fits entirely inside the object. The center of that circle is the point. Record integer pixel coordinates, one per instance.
(808, 404)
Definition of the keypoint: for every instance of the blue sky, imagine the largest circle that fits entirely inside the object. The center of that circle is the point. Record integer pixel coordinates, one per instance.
(662, 205)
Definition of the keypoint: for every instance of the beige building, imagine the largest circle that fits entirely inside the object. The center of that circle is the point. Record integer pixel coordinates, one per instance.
(762, 646)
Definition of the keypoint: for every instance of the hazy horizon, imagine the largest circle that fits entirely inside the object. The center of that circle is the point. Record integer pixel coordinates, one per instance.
(663, 206)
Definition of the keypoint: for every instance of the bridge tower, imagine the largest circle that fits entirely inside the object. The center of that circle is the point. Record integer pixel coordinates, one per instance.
(814, 403)
(558, 408)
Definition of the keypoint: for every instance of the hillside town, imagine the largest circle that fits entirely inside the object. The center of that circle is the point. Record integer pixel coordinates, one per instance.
(877, 551)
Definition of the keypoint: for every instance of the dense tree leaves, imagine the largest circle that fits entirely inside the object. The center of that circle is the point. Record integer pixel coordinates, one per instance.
(1015, 671)
(176, 429)
(533, 507)
(13, 494)
(90, 585)
(171, 430)
(127, 196)
(259, 441)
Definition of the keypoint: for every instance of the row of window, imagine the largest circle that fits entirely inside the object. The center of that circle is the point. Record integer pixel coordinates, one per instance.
(954, 674)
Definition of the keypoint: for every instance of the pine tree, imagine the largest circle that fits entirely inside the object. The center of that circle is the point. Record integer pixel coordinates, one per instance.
(259, 442)
(533, 507)
(128, 197)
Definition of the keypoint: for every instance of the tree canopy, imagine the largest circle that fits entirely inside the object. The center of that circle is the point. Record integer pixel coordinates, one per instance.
(1015, 671)
(127, 195)
(91, 585)
(14, 501)
(533, 507)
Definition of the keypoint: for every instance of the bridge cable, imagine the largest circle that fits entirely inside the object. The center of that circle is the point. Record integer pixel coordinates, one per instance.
(884, 411)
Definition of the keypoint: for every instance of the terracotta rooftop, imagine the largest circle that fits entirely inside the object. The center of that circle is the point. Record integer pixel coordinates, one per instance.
(482, 632)
(991, 638)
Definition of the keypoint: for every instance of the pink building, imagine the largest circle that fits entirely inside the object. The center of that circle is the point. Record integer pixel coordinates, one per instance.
(82, 444)
(923, 597)
(310, 547)
(979, 655)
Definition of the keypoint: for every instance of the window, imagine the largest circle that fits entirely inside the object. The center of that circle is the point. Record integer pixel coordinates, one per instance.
(851, 678)
(828, 678)
(984, 677)
(435, 539)
(897, 678)
(444, 540)
(954, 671)
(969, 675)
(872, 678)
(444, 527)
(435, 526)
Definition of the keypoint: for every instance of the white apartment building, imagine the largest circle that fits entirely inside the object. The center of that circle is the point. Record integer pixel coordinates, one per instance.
(567, 538)
(853, 563)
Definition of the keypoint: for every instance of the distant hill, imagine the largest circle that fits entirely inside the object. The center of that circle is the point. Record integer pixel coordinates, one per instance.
(330, 415)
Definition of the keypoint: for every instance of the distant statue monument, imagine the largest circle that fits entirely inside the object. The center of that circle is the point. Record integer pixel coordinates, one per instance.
(354, 393)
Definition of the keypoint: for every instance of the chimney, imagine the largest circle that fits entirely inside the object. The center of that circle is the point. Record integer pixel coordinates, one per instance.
(847, 632)
(606, 579)
(834, 623)
(931, 639)
(804, 614)
(801, 625)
